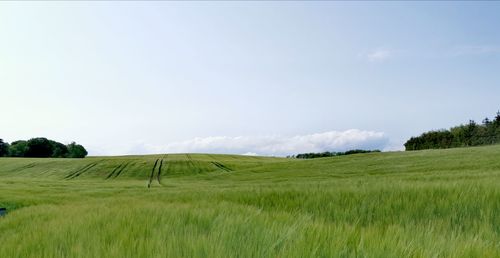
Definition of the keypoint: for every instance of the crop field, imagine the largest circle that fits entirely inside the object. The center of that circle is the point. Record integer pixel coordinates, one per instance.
(434, 203)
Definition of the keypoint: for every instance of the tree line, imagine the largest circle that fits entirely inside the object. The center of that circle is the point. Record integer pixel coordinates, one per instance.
(471, 134)
(41, 148)
(325, 154)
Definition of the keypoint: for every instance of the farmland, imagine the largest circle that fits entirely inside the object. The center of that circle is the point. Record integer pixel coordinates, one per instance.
(433, 203)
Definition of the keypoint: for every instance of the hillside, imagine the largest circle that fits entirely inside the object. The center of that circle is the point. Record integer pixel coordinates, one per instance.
(128, 167)
(404, 204)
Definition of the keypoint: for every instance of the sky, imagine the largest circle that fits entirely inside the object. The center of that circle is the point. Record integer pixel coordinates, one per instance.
(256, 78)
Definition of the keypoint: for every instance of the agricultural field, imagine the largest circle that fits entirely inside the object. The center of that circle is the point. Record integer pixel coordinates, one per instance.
(433, 203)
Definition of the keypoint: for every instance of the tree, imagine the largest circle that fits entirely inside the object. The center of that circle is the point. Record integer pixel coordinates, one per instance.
(471, 134)
(496, 120)
(39, 148)
(313, 155)
(4, 148)
(470, 130)
(59, 150)
(18, 149)
(76, 151)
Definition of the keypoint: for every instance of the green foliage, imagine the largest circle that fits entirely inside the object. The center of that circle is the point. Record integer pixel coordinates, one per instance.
(39, 147)
(43, 148)
(4, 148)
(18, 149)
(433, 203)
(60, 150)
(470, 134)
(76, 151)
(325, 154)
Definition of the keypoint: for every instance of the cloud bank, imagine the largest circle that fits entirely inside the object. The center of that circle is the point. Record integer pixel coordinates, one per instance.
(275, 145)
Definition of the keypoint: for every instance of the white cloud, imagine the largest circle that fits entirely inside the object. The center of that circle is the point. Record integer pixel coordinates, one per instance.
(276, 145)
(250, 154)
(378, 55)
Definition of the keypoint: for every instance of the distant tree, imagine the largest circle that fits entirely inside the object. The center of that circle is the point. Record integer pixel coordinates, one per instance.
(18, 149)
(76, 151)
(313, 155)
(39, 147)
(4, 148)
(59, 150)
(431, 140)
(42, 148)
(471, 134)
(356, 151)
(497, 118)
(470, 129)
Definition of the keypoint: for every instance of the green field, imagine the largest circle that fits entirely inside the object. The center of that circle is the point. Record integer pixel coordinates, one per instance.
(434, 203)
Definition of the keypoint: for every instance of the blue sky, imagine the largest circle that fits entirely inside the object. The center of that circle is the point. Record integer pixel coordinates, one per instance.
(272, 78)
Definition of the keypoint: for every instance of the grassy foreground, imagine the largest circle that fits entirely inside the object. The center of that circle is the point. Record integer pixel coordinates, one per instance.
(435, 203)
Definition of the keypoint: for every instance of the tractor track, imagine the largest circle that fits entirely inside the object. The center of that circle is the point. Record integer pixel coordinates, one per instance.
(30, 165)
(80, 171)
(158, 164)
(118, 170)
(114, 170)
(121, 169)
(158, 177)
(152, 173)
(221, 166)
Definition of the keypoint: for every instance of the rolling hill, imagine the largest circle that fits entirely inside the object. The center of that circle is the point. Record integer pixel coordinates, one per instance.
(439, 203)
